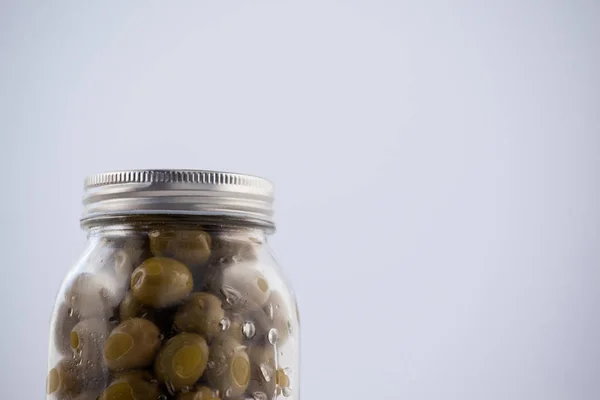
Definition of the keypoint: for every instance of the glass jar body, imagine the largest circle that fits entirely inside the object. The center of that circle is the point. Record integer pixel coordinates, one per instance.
(174, 309)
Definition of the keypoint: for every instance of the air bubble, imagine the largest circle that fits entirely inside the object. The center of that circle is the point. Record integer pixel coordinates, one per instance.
(228, 392)
(287, 392)
(249, 329)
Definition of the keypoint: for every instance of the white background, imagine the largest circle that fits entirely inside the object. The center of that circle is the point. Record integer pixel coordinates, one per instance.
(436, 167)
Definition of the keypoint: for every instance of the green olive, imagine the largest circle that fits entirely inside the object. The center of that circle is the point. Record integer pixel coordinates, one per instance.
(88, 296)
(182, 360)
(200, 393)
(86, 396)
(88, 332)
(231, 250)
(87, 341)
(235, 330)
(248, 326)
(132, 344)
(188, 246)
(123, 264)
(242, 285)
(65, 320)
(130, 307)
(138, 373)
(72, 377)
(64, 378)
(277, 312)
(161, 282)
(229, 370)
(131, 387)
(134, 247)
(263, 370)
(201, 313)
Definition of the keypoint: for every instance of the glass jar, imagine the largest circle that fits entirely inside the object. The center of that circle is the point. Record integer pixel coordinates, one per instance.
(177, 295)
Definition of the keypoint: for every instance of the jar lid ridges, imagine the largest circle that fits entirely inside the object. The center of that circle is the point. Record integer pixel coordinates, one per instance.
(190, 192)
(178, 176)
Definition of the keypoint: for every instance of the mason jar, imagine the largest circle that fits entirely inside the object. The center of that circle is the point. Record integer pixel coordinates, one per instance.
(177, 294)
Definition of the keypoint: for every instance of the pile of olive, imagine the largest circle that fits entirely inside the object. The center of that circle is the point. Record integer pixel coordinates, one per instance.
(183, 315)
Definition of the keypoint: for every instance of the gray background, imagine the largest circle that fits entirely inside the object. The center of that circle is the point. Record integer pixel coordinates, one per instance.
(436, 165)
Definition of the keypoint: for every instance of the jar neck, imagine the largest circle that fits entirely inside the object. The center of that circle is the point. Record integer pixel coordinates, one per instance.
(140, 225)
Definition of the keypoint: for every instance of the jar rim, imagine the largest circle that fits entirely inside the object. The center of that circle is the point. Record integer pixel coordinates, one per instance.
(178, 192)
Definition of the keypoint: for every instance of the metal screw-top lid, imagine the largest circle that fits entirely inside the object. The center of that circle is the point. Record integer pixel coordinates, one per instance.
(178, 192)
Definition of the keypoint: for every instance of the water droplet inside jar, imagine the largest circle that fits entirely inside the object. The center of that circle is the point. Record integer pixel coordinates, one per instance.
(287, 392)
(170, 387)
(225, 324)
(211, 364)
(289, 326)
(228, 392)
(270, 311)
(249, 329)
(161, 337)
(113, 320)
(70, 312)
(259, 396)
(236, 259)
(266, 371)
(273, 336)
(162, 397)
(255, 239)
(231, 295)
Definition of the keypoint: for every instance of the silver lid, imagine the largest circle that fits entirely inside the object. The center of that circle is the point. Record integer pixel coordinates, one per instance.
(178, 192)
